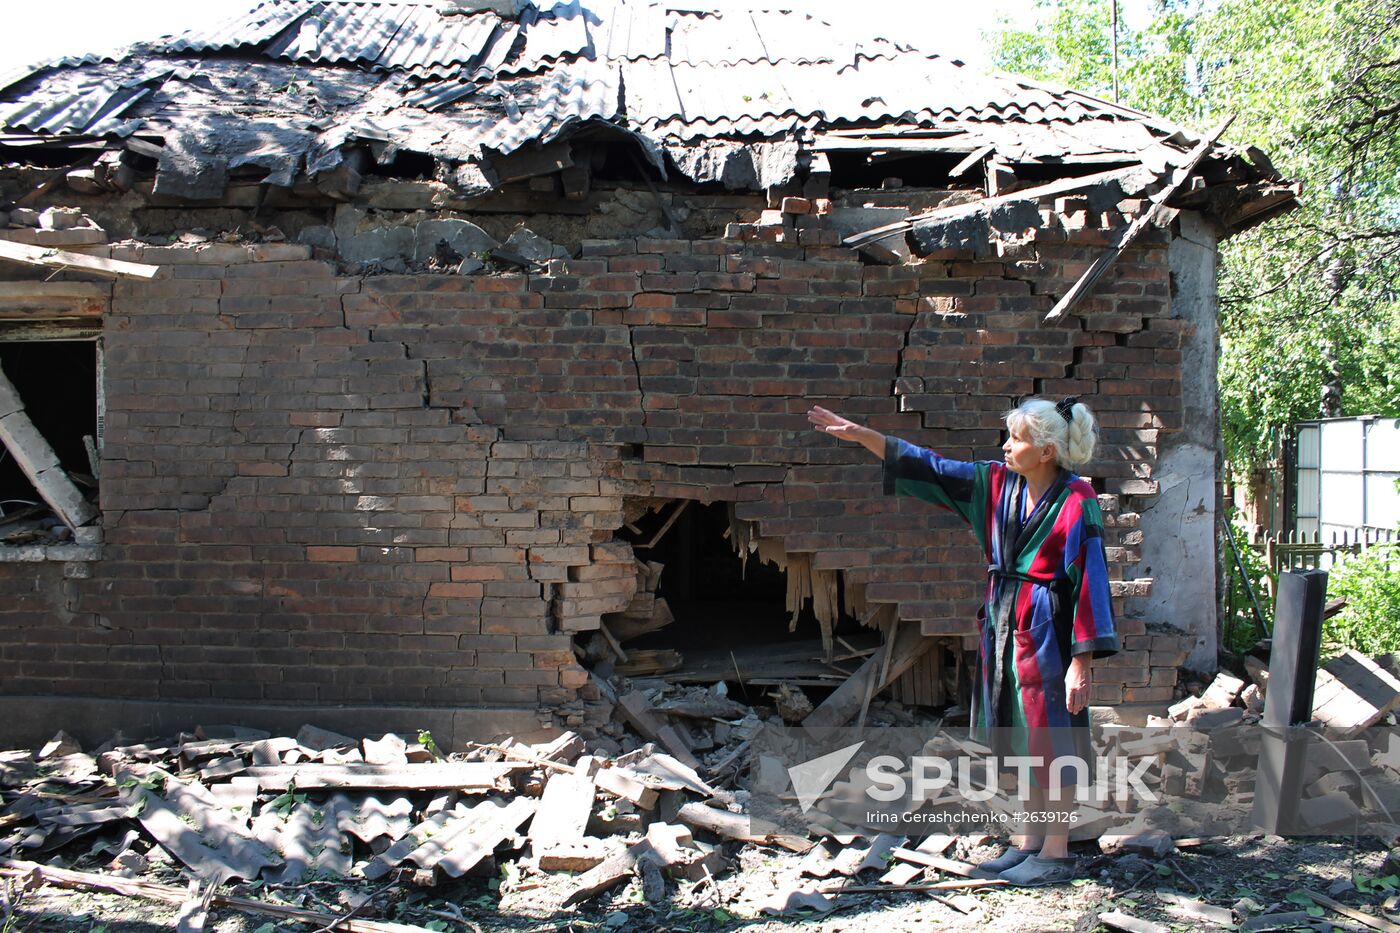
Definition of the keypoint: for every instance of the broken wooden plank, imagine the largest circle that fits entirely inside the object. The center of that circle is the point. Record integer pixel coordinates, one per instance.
(886, 650)
(844, 702)
(530, 161)
(638, 712)
(82, 880)
(610, 873)
(469, 776)
(1152, 215)
(1187, 908)
(63, 259)
(1130, 924)
(1283, 920)
(738, 826)
(642, 662)
(1361, 917)
(661, 533)
(1027, 195)
(977, 155)
(950, 885)
(928, 860)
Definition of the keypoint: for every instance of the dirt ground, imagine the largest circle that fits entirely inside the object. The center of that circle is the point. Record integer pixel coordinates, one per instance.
(1255, 875)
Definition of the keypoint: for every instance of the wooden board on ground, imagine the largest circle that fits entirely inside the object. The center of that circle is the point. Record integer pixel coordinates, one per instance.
(844, 703)
(469, 776)
(638, 712)
(1117, 920)
(790, 662)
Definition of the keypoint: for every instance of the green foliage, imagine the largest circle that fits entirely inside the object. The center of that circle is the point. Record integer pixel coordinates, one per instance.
(283, 803)
(1243, 633)
(1309, 300)
(1370, 623)
(425, 739)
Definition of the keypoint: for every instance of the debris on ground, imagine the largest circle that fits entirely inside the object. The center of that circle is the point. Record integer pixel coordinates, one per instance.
(388, 833)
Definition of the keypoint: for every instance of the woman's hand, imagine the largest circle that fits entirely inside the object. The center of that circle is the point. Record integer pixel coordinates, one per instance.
(1077, 684)
(832, 423)
(845, 429)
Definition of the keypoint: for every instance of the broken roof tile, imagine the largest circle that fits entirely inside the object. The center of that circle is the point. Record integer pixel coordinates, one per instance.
(454, 84)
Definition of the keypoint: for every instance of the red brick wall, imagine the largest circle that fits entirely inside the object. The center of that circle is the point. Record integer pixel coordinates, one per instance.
(402, 489)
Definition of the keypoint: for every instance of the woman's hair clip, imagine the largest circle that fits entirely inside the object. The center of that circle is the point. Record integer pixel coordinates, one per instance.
(1065, 407)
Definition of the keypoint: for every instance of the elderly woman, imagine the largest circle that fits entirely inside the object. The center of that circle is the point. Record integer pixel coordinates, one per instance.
(1046, 613)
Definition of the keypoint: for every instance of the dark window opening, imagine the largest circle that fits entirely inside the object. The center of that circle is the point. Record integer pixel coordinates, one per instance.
(57, 382)
(915, 170)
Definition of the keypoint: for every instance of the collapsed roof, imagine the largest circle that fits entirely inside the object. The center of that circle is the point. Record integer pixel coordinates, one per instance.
(295, 90)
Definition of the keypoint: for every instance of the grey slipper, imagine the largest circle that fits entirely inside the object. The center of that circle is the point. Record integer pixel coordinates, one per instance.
(1008, 859)
(1035, 871)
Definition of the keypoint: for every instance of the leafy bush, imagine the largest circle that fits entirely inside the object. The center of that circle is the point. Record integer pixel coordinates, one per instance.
(1370, 623)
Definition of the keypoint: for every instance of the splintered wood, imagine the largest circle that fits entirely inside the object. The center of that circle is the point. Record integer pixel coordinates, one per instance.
(805, 583)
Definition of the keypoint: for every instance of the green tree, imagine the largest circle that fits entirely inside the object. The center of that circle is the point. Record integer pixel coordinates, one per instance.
(1310, 322)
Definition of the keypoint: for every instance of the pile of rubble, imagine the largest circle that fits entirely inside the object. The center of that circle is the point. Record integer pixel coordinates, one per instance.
(653, 815)
(231, 804)
(1206, 760)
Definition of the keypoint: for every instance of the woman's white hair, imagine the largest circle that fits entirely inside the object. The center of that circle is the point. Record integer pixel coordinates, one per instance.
(1045, 422)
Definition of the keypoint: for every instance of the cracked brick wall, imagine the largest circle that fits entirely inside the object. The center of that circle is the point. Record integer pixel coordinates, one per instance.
(403, 489)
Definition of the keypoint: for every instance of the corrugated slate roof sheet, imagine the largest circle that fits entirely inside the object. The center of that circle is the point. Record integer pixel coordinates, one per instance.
(455, 84)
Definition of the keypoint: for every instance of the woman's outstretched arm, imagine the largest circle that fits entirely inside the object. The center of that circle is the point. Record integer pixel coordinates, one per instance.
(847, 430)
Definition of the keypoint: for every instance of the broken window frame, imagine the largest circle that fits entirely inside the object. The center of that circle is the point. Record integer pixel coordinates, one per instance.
(86, 540)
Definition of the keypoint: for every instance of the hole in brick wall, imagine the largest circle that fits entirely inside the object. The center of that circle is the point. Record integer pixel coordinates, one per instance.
(922, 170)
(730, 616)
(57, 382)
(412, 165)
(617, 162)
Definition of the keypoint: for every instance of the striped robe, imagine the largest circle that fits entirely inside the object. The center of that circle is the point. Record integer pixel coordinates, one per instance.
(1047, 596)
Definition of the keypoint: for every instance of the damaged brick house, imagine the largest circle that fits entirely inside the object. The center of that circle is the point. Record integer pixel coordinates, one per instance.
(416, 358)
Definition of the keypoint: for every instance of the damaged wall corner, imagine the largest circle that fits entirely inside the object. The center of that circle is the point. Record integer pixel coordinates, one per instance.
(1178, 525)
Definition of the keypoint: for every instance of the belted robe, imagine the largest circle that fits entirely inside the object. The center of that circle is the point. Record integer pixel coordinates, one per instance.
(1047, 593)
